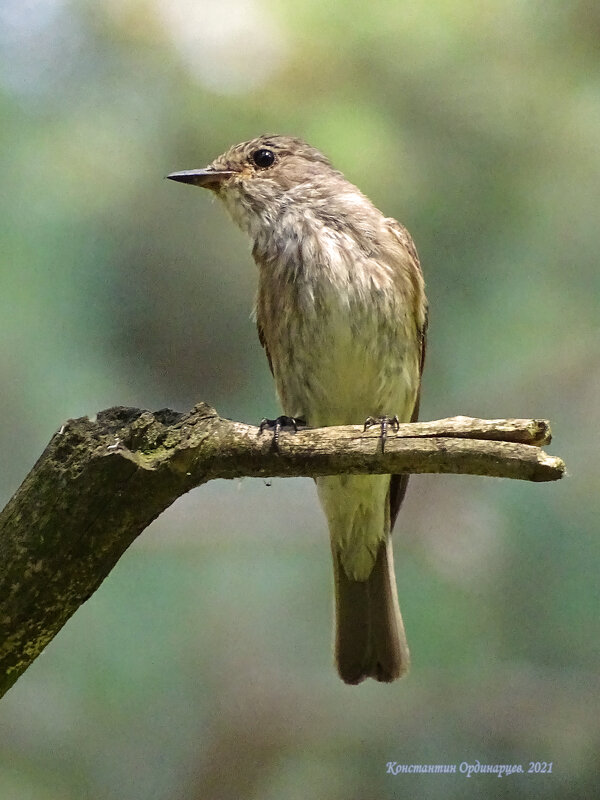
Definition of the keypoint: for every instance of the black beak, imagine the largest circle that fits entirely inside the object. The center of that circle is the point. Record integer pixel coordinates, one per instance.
(207, 178)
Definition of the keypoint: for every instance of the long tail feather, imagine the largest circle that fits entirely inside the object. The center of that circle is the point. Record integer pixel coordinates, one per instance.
(370, 641)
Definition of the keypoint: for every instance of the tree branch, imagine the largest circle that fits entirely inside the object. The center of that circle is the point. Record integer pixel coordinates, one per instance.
(100, 482)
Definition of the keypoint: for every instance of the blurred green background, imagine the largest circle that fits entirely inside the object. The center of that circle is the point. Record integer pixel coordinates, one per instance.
(202, 667)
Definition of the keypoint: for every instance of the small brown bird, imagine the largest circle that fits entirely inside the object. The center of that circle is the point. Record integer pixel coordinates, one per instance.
(342, 314)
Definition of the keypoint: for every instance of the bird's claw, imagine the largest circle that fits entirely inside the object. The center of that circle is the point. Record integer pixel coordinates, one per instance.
(384, 422)
(277, 424)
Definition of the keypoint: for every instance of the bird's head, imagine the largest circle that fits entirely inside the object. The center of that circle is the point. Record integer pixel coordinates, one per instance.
(259, 178)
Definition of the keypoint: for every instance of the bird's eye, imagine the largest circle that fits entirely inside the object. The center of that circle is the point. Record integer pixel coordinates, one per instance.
(263, 158)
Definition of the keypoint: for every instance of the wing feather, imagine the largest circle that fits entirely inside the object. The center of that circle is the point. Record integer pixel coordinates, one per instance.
(399, 483)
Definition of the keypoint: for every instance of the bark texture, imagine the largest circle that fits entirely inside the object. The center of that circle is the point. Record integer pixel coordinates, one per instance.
(100, 482)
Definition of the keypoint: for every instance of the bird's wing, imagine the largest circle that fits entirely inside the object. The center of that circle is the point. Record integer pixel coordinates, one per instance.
(399, 483)
(263, 341)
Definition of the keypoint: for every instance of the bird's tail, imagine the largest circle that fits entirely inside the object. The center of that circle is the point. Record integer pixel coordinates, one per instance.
(369, 641)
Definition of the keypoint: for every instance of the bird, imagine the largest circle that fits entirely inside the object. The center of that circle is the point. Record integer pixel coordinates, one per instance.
(342, 314)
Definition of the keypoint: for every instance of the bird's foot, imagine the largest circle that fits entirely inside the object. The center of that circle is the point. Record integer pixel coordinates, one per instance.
(276, 425)
(385, 423)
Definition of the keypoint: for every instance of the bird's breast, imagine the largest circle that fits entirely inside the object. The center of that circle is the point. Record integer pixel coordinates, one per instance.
(338, 330)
